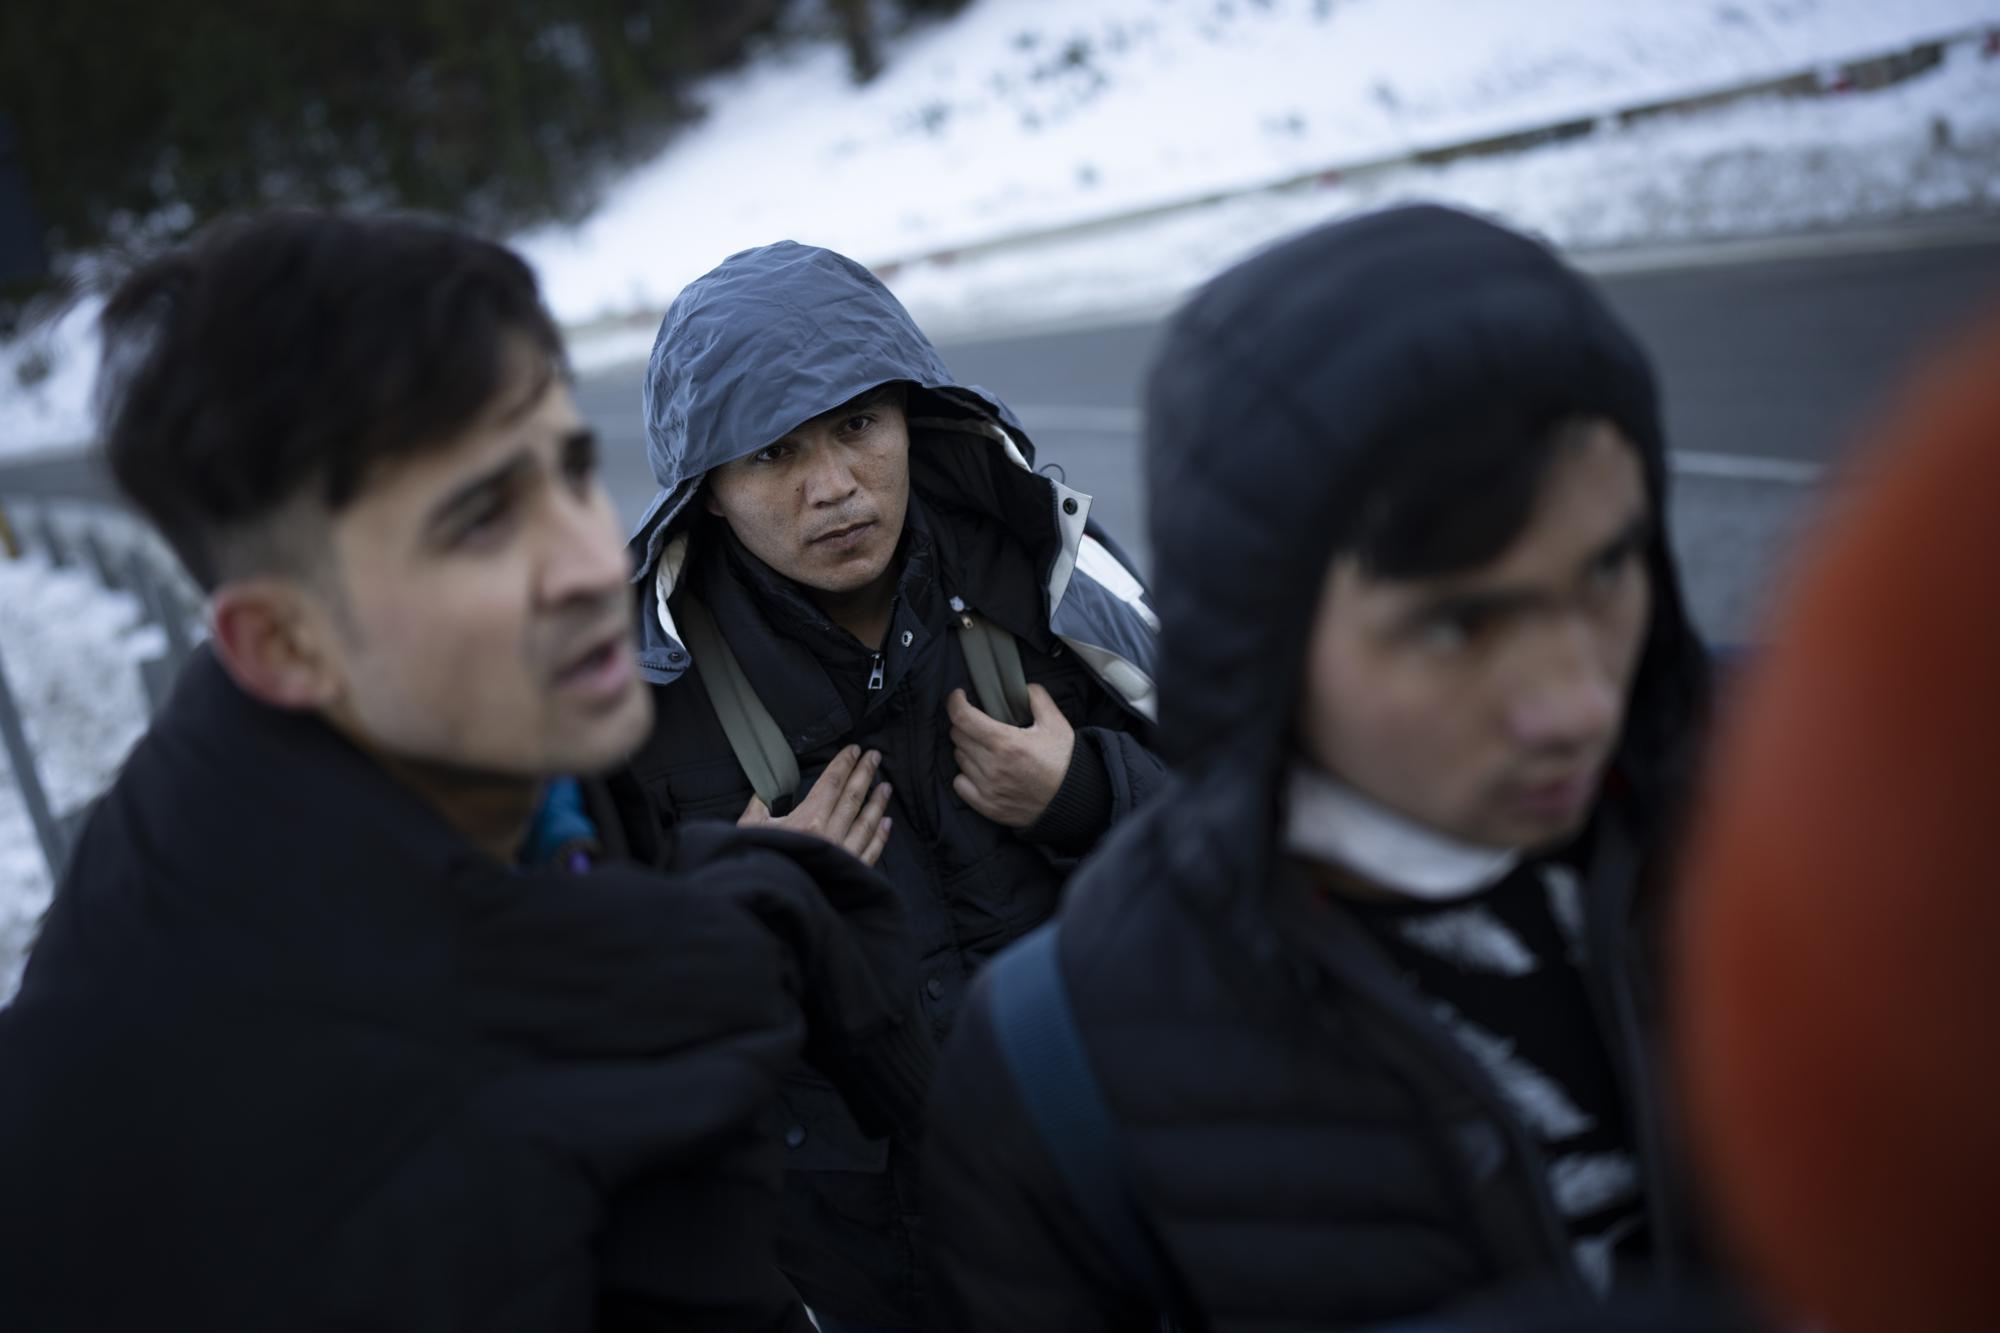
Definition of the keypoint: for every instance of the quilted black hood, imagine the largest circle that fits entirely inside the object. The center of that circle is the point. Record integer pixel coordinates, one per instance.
(1280, 388)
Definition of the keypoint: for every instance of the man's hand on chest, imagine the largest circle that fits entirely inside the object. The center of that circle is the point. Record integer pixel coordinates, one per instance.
(1009, 774)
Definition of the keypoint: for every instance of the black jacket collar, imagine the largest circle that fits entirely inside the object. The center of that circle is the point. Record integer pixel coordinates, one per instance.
(255, 850)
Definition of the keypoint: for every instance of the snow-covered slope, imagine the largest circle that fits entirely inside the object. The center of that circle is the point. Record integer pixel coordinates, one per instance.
(1024, 113)
(1020, 115)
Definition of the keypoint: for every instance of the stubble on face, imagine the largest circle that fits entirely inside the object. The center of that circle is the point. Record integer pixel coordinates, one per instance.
(486, 627)
(824, 505)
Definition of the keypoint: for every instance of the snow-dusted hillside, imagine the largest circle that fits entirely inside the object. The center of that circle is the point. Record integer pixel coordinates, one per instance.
(1026, 113)
(1020, 115)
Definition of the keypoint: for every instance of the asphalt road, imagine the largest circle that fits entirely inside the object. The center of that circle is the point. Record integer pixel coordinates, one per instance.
(1772, 366)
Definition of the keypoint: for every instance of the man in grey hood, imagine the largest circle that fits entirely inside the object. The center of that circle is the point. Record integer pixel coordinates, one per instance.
(865, 616)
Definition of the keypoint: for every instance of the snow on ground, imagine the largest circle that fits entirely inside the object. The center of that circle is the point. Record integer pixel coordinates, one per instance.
(54, 413)
(68, 648)
(1023, 114)
(1029, 113)
(1770, 166)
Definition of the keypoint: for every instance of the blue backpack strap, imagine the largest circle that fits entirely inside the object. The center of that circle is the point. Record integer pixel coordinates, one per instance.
(1043, 1051)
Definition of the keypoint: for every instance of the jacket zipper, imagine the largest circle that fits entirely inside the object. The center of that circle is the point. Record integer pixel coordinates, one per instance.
(875, 671)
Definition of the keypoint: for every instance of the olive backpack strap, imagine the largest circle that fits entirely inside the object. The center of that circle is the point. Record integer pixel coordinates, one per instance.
(760, 746)
(994, 659)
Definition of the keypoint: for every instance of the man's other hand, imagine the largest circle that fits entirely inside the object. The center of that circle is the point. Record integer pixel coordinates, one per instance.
(1008, 773)
(839, 808)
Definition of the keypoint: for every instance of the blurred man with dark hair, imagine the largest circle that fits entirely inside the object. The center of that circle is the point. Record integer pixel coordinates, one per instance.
(1354, 1021)
(865, 617)
(363, 1004)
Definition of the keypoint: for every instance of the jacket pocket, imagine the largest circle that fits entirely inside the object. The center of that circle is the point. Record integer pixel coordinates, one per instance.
(820, 1133)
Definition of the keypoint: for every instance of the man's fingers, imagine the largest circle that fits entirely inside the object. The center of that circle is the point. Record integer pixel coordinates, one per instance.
(820, 801)
(1042, 706)
(872, 853)
(969, 792)
(868, 823)
(964, 742)
(754, 813)
(853, 793)
(977, 727)
(971, 764)
(878, 805)
(853, 832)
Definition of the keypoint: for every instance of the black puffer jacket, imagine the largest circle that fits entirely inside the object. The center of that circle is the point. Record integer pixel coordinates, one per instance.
(774, 337)
(291, 1054)
(1311, 1147)
(968, 886)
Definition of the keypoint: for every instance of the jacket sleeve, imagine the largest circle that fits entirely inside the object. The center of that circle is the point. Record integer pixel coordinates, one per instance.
(1112, 772)
(1008, 1250)
(855, 969)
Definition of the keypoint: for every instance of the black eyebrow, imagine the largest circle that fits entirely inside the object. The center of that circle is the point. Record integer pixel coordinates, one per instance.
(479, 490)
(1472, 606)
(1633, 537)
(1483, 605)
(860, 402)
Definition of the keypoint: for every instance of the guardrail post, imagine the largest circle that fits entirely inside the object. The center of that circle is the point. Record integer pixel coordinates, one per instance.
(48, 831)
(52, 538)
(162, 605)
(100, 559)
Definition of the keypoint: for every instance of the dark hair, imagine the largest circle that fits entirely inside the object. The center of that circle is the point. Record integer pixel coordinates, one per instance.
(1459, 493)
(285, 355)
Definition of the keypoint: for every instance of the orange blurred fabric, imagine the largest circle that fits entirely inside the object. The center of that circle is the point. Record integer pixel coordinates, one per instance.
(1840, 947)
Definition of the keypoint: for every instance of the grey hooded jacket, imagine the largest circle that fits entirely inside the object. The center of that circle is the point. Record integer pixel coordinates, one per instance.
(775, 336)
(770, 339)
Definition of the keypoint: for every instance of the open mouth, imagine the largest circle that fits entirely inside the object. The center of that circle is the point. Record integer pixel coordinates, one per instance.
(604, 669)
(594, 660)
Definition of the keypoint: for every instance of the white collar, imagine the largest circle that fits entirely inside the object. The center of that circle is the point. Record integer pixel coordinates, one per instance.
(1328, 821)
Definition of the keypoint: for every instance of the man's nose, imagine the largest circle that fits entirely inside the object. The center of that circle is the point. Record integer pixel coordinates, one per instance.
(585, 557)
(829, 478)
(1570, 695)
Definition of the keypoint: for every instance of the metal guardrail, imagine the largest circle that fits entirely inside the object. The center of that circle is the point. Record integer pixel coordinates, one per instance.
(1861, 74)
(1829, 79)
(124, 557)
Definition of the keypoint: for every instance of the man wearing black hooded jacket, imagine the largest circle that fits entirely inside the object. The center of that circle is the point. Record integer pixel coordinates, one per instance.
(363, 1003)
(1367, 992)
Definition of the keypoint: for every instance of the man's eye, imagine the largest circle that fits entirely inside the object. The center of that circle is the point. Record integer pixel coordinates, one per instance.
(481, 524)
(857, 424)
(1609, 568)
(580, 464)
(770, 453)
(1447, 633)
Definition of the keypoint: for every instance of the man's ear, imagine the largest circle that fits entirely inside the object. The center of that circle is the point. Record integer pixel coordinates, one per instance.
(274, 640)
